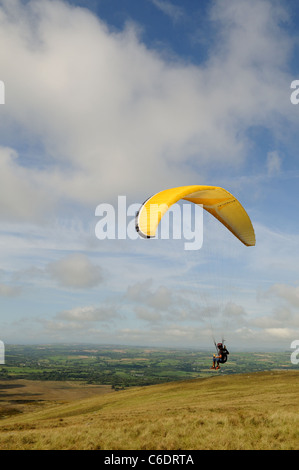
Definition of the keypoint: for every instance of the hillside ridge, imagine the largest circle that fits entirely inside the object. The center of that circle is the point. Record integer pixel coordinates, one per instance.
(243, 411)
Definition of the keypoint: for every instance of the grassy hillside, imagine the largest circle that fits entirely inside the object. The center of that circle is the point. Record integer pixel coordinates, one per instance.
(246, 411)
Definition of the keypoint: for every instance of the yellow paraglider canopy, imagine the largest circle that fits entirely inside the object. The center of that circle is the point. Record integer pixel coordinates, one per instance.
(218, 201)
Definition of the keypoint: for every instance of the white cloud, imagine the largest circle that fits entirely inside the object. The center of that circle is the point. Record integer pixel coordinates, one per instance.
(87, 313)
(288, 293)
(160, 298)
(113, 117)
(175, 12)
(92, 113)
(282, 319)
(274, 162)
(280, 333)
(234, 311)
(76, 271)
(23, 197)
(275, 255)
(153, 303)
(93, 322)
(144, 313)
(7, 290)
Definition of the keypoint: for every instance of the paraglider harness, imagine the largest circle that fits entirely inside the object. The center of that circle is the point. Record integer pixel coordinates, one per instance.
(221, 351)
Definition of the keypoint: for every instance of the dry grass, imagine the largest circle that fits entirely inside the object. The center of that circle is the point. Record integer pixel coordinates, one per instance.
(20, 395)
(257, 411)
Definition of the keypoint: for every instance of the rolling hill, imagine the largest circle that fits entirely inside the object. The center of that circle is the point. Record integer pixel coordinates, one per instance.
(244, 411)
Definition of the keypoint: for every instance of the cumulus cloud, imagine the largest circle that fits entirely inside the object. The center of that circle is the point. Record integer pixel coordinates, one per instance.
(151, 304)
(158, 303)
(286, 292)
(92, 321)
(144, 313)
(282, 321)
(275, 253)
(160, 298)
(23, 197)
(280, 333)
(108, 115)
(75, 271)
(234, 311)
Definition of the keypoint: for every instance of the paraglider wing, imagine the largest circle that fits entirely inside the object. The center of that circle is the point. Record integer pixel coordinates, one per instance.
(217, 201)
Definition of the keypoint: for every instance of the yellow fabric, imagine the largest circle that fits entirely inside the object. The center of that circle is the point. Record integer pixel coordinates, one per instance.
(219, 202)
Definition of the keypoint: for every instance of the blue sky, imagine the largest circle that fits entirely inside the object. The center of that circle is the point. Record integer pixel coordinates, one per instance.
(126, 98)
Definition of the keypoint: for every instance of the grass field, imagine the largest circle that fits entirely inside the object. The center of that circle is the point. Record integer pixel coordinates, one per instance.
(20, 396)
(245, 411)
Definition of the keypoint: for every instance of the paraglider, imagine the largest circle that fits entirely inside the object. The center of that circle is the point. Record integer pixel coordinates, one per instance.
(218, 202)
(220, 357)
